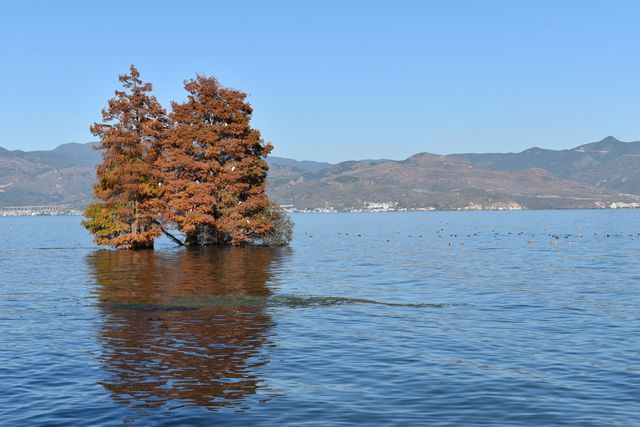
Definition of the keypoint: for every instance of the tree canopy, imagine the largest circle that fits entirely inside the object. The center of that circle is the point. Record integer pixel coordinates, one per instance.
(131, 136)
(201, 170)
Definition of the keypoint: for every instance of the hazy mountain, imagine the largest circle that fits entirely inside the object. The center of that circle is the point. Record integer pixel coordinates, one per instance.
(438, 182)
(591, 175)
(60, 176)
(65, 155)
(303, 165)
(609, 163)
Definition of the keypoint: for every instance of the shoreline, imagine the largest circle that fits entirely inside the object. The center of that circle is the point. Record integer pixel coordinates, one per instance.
(79, 212)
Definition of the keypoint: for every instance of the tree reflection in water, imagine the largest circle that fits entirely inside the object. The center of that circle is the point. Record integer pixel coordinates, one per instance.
(157, 353)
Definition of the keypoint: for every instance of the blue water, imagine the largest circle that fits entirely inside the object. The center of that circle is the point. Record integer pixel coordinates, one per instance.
(435, 318)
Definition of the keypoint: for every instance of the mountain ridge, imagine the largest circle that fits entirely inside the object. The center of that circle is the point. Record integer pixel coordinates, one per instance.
(598, 174)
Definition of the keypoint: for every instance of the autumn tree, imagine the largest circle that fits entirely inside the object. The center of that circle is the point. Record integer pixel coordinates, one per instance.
(214, 171)
(131, 133)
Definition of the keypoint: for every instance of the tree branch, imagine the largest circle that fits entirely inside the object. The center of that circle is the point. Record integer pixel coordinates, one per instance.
(169, 235)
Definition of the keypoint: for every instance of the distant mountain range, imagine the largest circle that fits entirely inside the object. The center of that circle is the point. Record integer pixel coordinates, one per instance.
(600, 174)
(60, 176)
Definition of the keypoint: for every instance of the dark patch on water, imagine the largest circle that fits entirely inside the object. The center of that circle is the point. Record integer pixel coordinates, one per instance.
(183, 303)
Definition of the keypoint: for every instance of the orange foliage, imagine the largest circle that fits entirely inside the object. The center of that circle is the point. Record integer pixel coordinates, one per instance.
(131, 134)
(202, 170)
(214, 168)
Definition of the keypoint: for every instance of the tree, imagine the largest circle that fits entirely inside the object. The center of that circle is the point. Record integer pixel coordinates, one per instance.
(214, 170)
(201, 170)
(131, 133)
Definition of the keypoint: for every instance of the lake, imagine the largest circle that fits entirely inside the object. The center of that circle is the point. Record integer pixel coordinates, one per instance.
(438, 318)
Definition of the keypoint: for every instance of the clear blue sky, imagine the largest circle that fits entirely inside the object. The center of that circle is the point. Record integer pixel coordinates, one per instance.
(337, 80)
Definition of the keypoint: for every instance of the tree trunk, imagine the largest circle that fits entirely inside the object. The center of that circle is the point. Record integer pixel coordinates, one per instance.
(169, 235)
(134, 224)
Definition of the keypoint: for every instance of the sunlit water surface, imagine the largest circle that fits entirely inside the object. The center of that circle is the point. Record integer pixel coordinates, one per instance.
(457, 319)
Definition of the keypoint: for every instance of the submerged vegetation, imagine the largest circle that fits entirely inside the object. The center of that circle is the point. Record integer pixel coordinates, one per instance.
(200, 170)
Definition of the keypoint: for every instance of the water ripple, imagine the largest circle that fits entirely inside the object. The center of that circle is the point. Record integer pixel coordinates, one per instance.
(376, 320)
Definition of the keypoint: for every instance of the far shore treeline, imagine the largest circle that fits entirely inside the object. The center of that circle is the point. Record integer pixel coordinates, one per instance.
(199, 170)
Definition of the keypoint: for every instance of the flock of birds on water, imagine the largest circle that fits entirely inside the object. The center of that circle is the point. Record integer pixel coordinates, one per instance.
(555, 239)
